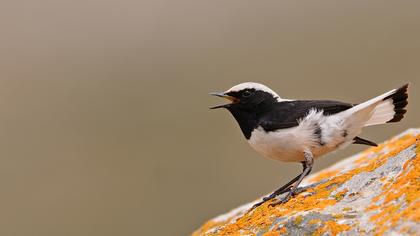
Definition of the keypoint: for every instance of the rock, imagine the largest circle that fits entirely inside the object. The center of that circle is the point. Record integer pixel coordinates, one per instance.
(376, 192)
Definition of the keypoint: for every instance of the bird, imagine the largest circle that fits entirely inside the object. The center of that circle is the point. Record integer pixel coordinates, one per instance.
(301, 131)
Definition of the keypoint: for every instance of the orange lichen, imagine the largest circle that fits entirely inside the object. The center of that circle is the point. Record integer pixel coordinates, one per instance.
(347, 209)
(207, 226)
(282, 231)
(323, 175)
(362, 159)
(314, 221)
(383, 179)
(272, 233)
(298, 220)
(339, 196)
(406, 185)
(333, 227)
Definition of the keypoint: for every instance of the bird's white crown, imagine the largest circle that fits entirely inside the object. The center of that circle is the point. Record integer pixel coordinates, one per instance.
(253, 85)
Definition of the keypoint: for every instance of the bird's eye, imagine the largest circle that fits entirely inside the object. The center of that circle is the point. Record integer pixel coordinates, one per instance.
(246, 94)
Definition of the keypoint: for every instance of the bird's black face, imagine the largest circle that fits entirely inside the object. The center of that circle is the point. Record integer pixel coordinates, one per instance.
(246, 100)
(248, 104)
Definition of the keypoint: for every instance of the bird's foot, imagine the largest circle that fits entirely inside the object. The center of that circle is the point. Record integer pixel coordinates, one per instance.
(285, 199)
(265, 199)
(291, 193)
(269, 197)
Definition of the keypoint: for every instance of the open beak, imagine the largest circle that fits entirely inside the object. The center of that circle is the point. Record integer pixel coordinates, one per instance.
(223, 95)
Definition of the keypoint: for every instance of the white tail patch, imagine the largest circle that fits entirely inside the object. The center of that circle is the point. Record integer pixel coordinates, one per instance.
(382, 113)
(372, 112)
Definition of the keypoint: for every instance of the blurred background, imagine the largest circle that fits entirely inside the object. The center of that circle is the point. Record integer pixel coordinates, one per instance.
(104, 123)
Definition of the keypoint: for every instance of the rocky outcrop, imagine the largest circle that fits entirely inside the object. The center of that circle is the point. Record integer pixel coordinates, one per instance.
(376, 192)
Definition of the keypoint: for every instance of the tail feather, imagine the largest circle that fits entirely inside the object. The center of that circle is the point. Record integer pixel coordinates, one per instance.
(399, 99)
(391, 109)
(388, 107)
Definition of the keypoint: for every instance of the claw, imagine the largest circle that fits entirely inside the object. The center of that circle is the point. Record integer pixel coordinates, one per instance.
(265, 199)
(282, 201)
(268, 198)
(289, 195)
(286, 198)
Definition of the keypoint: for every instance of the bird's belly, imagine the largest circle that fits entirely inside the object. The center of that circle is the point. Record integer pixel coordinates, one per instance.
(285, 145)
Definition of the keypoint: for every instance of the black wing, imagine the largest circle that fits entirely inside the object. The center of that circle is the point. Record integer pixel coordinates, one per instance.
(287, 114)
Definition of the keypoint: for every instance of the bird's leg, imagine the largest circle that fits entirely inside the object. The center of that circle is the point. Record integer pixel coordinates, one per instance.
(307, 167)
(283, 189)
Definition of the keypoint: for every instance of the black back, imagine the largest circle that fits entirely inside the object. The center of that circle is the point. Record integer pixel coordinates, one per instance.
(288, 113)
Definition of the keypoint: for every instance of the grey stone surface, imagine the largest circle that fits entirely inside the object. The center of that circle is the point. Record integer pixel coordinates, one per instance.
(376, 192)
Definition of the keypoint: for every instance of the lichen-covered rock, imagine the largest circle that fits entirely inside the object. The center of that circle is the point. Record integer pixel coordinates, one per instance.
(376, 192)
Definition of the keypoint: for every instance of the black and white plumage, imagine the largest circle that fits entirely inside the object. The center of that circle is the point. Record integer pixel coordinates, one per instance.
(303, 130)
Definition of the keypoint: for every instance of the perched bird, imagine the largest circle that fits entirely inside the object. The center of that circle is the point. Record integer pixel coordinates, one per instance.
(303, 130)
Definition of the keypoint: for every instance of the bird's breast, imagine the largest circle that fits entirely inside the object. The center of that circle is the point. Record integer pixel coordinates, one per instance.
(282, 145)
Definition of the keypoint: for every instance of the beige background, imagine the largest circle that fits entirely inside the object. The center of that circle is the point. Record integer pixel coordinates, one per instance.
(104, 122)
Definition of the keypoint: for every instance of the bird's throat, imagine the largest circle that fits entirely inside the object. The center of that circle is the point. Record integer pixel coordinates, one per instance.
(247, 121)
